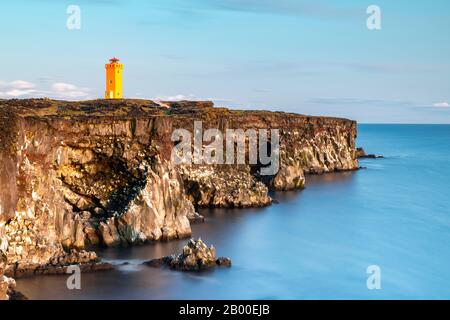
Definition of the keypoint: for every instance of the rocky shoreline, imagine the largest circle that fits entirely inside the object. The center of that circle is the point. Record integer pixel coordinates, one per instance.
(90, 173)
(8, 290)
(87, 261)
(8, 285)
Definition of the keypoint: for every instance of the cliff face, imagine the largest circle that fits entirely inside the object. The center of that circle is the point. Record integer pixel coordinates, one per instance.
(69, 182)
(100, 172)
(307, 145)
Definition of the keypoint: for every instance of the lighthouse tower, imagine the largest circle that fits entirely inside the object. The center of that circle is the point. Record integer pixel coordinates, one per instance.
(113, 79)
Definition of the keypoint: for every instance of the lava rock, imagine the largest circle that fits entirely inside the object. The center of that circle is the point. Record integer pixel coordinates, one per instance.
(86, 260)
(196, 256)
(74, 174)
(361, 154)
(8, 285)
(223, 262)
(194, 218)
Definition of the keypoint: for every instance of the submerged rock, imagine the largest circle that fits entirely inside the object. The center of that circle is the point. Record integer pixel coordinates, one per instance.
(195, 256)
(223, 262)
(361, 154)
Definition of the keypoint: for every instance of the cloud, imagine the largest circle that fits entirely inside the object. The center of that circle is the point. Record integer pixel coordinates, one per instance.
(279, 7)
(16, 84)
(178, 97)
(67, 90)
(16, 93)
(190, 97)
(21, 84)
(26, 89)
(286, 7)
(389, 68)
(360, 101)
(441, 105)
(16, 89)
(171, 56)
(63, 87)
(314, 68)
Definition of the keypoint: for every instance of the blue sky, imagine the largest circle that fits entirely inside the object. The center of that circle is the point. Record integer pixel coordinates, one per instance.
(311, 57)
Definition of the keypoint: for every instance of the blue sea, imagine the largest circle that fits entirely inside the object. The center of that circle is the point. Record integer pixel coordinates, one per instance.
(314, 244)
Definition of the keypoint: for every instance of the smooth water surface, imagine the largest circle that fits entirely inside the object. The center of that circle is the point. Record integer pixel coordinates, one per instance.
(316, 243)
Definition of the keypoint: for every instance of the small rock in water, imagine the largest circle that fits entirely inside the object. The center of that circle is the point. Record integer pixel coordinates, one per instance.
(361, 154)
(8, 285)
(196, 256)
(223, 262)
(194, 217)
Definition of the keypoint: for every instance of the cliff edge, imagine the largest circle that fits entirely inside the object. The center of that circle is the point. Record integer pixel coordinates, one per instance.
(74, 174)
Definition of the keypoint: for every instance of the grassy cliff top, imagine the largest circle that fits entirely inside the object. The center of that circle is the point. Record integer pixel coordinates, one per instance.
(15, 111)
(124, 108)
(66, 109)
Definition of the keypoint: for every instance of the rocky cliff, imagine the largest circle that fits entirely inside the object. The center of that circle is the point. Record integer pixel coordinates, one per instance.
(74, 174)
(8, 285)
(307, 144)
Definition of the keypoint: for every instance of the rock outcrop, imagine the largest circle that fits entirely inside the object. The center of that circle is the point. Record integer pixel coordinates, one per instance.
(70, 181)
(196, 256)
(8, 289)
(361, 154)
(223, 186)
(308, 145)
(86, 260)
(74, 174)
(8, 285)
(4, 283)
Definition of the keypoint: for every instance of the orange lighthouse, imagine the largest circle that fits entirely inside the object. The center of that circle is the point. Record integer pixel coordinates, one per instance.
(113, 79)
